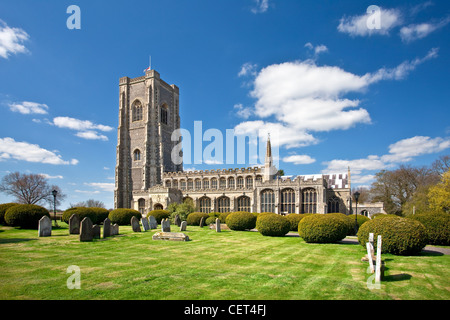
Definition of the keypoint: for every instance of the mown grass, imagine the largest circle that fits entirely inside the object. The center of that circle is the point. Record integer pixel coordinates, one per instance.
(226, 265)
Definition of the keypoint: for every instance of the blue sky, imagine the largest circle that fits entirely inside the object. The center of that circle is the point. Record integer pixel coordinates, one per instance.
(331, 91)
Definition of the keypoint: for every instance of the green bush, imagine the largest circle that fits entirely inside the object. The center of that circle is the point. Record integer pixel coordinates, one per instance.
(241, 220)
(322, 228)
(273, 225)
(97, 215)
(294, 220)
(210, 220)
(223, 216)
(26, 216)
(159, 215)
(123, 216)
(214, 214)
(437, 225)
(194, 218)
(400, 236)
(3, 208)
(349, 221)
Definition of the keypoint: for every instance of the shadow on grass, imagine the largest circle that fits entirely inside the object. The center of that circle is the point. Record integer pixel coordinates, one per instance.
(397, 277)
(15, 240)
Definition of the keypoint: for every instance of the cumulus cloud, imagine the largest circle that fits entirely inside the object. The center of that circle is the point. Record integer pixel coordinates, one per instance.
(86, 129)
(103, 186)
(11, 149)
(299, 159)
(12, 40)
(358, 25)
(260, 6)
(248, 69)
(27, 107)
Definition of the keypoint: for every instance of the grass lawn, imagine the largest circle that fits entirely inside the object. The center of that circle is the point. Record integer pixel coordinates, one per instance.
(227, 265)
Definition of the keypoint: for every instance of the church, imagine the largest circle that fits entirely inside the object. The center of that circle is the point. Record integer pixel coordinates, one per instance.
(146, 178)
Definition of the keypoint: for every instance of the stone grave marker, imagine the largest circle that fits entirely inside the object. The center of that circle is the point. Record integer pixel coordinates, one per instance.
(106, 228)
(74, 224)
(96, 231)
(217, 225)
(177, 220)
(153, 223)
(378, 265)
(201, 222)
(145, 224)
(135, 224)
(183, 226)
(115, 229)
(170, 236)
(369, 254)
(165, 225)
(86, 233)
(45, 227)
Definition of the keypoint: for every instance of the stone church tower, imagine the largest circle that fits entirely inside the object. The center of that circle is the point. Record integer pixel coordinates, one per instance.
(148, 114)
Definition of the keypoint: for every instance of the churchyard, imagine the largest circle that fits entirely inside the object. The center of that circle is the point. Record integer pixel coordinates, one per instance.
(211, 265)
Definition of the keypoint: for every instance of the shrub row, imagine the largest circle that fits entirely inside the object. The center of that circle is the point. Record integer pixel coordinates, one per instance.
(26, 216)
(240, 221)
(97, 215)
(437, 226)
(272, 224)
(123, 216)
(159, 215)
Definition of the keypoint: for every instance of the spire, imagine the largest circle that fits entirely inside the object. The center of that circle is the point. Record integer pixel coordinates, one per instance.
(269, 148)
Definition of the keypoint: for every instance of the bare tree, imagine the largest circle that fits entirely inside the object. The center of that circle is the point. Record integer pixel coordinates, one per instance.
(441, 165)
(30, 188)
(91, 203)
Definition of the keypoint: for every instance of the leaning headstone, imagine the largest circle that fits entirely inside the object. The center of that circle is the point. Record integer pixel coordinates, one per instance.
(177, 220)
(74, 224)
(165, 225)
(153, 223)
(378, 265)
(135, 224)
(106, 228)
(144, 222)
(217, 225)
(369, 254)
(96, 231)
(45, 227)
(115, 229)
(86, 233)
(183, 226)
(201, 222)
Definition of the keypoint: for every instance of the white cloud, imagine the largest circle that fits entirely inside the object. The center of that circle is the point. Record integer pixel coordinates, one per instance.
(242, 112)
(103, 186)
(405, 150)
(356, 166)
(11, 40)
(358, 25)
(86, 129)
(27, 107)
(47, 176)
(87, 191)
(91, 135)
(299, 159)
(248, 69)
(418, 31)
(260, 6)
(11, 149)
(317, 49)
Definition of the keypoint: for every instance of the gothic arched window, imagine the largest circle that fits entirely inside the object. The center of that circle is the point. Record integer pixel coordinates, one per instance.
(244, 204)
(309, 200)
(205, 205)
(333, 205)
(136, 111)
(223, 204)
(164, 114)
(137, 155)
(288, 200)
(267, 201)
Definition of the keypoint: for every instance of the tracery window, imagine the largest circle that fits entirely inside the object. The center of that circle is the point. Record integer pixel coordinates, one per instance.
(249, 182)
(240, 182)
(205, 205)
(164, 114)
(309, 201)
(213, 183)
(223, 204)
(267, 201)
(136, 111)
(288, 200)
(333, 205)
(231, 182)
(243, 204)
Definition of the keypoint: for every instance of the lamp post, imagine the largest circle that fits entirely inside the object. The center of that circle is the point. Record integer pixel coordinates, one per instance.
(54, 193)
(356, 195)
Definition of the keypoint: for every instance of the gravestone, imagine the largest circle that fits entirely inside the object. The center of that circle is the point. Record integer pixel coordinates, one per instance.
(177, 220)
(170, 236)
(86, 233)
(165, 225)
(135, 224)
(217, 225)
(153, 223)
(378, 265)
(106, 228)
(183, 225)
(74, 224)
(201, 222)
(145, 224)
(45, 227)
(369, 254)
(115, 229)
(96, 231)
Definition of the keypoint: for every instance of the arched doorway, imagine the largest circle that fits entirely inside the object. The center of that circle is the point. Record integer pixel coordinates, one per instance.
(158, 206)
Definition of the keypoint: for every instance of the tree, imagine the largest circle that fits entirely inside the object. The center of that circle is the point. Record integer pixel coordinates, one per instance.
(441, 165)
(91, 203)
(439, 195)
(395, 188)
(30, 189)
(364, 194)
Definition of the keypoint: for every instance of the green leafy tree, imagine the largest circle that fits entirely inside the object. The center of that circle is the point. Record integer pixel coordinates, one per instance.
(439, 195)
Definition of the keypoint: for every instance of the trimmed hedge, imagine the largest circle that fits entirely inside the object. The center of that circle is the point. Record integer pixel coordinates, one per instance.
(273, 225)
(123, 216)
(159, 215)
(241, 220)
(194, 218)
(294, 219)
(348, 220)
(26, 216)
(223, 216)
(3, 208)
(97, 215)
(322, 228)
(437, 225)
(400, 236)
